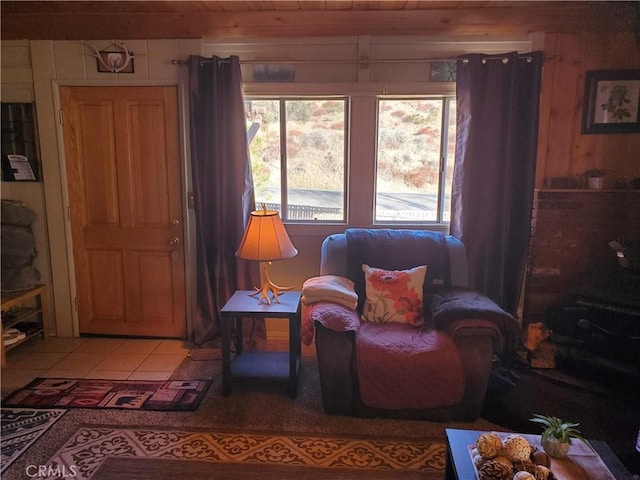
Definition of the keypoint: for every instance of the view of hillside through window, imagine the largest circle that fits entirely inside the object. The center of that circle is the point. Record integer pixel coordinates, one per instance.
(416, 143)
(303, 143)
(298, 157)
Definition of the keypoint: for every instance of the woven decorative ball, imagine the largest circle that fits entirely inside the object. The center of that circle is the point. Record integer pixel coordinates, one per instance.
(478, 460)
(523, 476)
(540, 458)
(505, 460)
(527, 466)
(516, 448)
(489, 445)
(542, 473)
(492, 470)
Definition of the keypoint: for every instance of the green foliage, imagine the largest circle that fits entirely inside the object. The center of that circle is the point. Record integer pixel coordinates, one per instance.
(557, 428)
(333, 107)
(414, 119)
(299, 110)
(262, 150)
(260, 171)
(617, 103)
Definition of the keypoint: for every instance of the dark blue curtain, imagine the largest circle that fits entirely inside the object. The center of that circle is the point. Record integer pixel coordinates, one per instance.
(497, 133)
(223, 193)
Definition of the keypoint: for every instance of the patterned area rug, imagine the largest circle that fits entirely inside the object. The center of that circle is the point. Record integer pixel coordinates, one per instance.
(21, 427)
(101, 453)
(170, 395)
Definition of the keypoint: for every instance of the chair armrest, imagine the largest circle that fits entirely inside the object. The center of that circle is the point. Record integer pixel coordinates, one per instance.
(336, 327)
(469, 327)
(449, 305)
(473, 327)
(333, 316)
(476, 341)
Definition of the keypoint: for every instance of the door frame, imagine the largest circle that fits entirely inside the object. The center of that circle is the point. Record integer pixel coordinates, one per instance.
(188, 213)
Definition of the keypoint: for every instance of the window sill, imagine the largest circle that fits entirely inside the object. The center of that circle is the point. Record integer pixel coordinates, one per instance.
(325, 229)
(586, 190)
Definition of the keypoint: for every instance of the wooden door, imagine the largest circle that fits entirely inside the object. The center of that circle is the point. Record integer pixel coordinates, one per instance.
(123, 171)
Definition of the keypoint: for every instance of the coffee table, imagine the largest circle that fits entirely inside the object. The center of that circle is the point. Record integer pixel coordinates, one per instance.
(460, 467)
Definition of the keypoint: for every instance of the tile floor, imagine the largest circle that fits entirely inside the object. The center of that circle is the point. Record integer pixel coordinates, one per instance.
(108, 358)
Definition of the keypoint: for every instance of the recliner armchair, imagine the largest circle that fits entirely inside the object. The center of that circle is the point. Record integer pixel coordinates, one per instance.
(462, 331)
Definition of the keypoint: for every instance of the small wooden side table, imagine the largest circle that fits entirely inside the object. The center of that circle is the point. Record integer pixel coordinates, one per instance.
(14, 312)
(274, 365)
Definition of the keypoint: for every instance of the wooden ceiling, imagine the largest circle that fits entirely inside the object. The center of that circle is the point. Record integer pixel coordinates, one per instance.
(75, 20)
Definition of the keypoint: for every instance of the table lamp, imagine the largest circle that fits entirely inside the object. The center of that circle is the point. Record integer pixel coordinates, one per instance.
(266, 240)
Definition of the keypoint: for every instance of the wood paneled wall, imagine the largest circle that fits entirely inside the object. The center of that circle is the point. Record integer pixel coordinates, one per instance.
(563, 151)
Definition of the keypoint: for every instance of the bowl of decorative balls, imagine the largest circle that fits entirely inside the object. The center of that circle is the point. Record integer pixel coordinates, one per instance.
(509, 458)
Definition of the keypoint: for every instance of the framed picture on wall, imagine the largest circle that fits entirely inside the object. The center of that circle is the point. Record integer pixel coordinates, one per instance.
(611, 101)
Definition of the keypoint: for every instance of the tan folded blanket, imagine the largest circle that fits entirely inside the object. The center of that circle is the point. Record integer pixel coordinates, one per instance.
(330, 288)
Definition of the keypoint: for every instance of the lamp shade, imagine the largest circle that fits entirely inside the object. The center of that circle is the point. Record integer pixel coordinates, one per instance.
(265, 238)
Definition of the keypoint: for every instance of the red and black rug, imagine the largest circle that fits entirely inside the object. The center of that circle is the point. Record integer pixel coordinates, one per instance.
(166, 395)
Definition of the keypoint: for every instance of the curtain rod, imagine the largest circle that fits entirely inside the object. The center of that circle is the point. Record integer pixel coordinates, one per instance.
(362, 60)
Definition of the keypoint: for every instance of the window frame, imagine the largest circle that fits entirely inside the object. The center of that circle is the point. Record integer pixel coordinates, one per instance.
(282, 120)
(443, 157)
(361, 144)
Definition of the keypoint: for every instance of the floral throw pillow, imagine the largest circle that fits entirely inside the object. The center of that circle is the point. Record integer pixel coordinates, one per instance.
(393, 295)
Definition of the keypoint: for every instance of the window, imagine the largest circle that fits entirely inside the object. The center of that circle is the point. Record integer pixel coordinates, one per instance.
(401, 148)
(298, 156)
(414, 159)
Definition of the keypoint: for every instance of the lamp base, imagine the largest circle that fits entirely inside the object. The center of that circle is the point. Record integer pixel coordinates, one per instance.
(268, 286)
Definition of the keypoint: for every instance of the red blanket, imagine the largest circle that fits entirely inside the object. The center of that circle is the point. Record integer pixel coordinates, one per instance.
(400, 366)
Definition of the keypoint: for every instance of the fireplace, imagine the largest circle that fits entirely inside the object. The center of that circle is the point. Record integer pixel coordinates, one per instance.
(597, 328)
(570, 233)
(577, 284)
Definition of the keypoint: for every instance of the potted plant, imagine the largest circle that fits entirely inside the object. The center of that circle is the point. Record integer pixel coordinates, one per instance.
(557, 435)
(595, 178)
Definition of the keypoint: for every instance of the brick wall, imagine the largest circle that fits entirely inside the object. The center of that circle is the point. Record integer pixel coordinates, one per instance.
(570, 230)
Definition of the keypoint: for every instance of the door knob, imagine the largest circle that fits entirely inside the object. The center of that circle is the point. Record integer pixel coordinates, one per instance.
(175, 222)
(174, 242)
